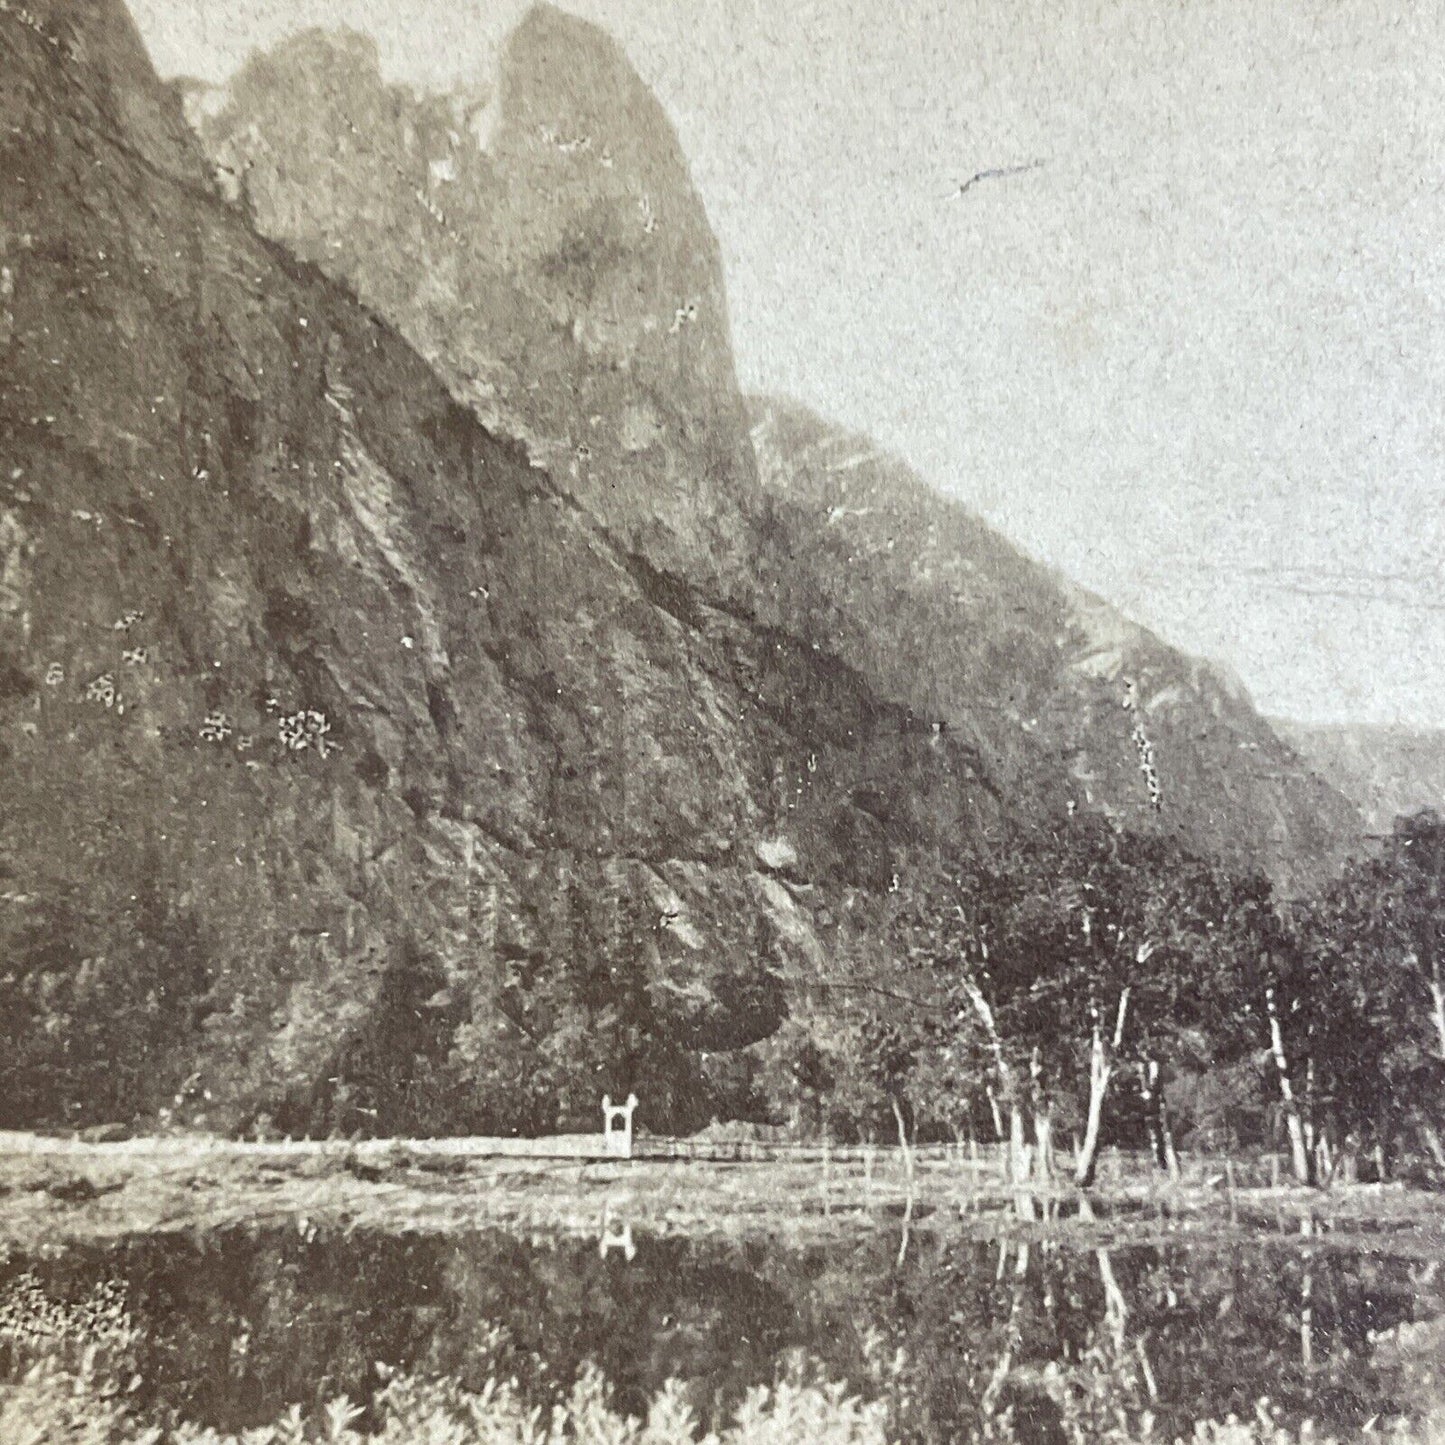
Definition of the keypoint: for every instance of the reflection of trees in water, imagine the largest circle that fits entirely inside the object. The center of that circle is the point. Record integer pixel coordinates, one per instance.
(1066, 1337)
(1067, 1341)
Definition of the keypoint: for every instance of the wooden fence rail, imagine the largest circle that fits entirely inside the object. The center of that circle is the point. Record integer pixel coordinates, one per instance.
(1254, 1171)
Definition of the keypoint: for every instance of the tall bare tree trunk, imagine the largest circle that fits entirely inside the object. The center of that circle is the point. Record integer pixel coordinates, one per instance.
(1018, 1153)
(908, 1167)
(1020, 1157)
(1430, 1137)
(1161, 1136)
(1044, 1145)
(1101, 1070)
(1149, 1098)
(902, 1137)
(1298, 1149)
(998, 1129)
(1324, 1156)
(1087, 1164)
(1043, 1120)
(1307, 1110)
(1171, 1155)
(1437, 1011)
(1307, 1299)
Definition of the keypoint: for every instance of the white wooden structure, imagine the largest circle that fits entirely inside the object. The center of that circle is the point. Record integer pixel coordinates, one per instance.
(617, 1127)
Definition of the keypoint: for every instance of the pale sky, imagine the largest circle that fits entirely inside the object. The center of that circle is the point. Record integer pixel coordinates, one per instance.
(1196, 359)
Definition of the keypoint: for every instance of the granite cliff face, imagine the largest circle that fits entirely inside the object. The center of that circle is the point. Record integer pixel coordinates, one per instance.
(542, 179)
(367, 767)
(355, 775)
(1048, 682)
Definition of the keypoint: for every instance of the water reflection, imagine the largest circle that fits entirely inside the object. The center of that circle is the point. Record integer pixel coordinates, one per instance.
(616, 1233)
(231, 1328)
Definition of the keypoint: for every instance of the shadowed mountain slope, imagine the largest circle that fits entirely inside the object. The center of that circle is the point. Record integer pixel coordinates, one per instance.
(1038, 675)
(354, 775)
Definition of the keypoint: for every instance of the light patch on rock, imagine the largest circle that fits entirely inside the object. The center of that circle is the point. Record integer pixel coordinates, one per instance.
(639, 428)
(684, 932)
(793, 924)
(483, 120)
(203, 103)
(663, 896)
(1106, 664)
(373, 503)
(1105, 629)
(7, 306)
(775, 853)
(16, 550)
(316, 1011)
(233, 602)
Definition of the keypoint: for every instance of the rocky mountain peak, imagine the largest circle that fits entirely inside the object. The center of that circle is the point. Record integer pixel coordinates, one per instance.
(538, 238)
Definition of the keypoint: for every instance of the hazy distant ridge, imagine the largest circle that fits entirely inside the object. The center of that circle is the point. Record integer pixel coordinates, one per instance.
(1385, 771)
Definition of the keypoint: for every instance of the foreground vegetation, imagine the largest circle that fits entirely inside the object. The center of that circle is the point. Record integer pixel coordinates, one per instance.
(51, 1407)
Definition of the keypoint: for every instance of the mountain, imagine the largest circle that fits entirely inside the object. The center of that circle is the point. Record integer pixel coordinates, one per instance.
(417, 710)
(538, 239)
(944, 614)
(834, 542)
(356, 775)
(1385, 771)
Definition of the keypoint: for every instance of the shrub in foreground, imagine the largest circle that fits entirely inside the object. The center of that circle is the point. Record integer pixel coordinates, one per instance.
(50, 1406)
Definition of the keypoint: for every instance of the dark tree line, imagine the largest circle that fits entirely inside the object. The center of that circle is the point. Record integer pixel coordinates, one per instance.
(1102, 986)
(1059, 991)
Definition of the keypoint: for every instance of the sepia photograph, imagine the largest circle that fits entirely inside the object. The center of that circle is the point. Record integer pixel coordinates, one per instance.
(722, 722)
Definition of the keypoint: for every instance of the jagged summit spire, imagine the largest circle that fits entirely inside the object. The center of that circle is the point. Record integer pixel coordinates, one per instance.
(541, 242)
